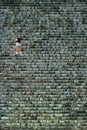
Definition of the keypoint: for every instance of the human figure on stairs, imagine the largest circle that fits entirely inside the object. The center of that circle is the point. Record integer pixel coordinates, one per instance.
(18, 45)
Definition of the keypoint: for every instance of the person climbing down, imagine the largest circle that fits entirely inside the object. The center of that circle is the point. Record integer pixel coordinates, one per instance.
(18, 45)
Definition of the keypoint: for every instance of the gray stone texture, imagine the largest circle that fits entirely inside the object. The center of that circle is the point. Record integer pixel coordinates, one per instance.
(46, 88)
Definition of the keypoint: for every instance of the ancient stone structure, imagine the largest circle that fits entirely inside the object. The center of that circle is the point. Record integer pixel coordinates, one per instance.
(46, 88)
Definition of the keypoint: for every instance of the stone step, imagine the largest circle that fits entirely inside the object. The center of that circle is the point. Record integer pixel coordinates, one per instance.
(45, 89)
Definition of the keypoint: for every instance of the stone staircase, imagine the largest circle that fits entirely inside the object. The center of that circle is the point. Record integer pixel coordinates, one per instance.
(46, 88)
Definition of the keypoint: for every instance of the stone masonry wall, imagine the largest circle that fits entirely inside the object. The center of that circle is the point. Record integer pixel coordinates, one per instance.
(46, 88)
